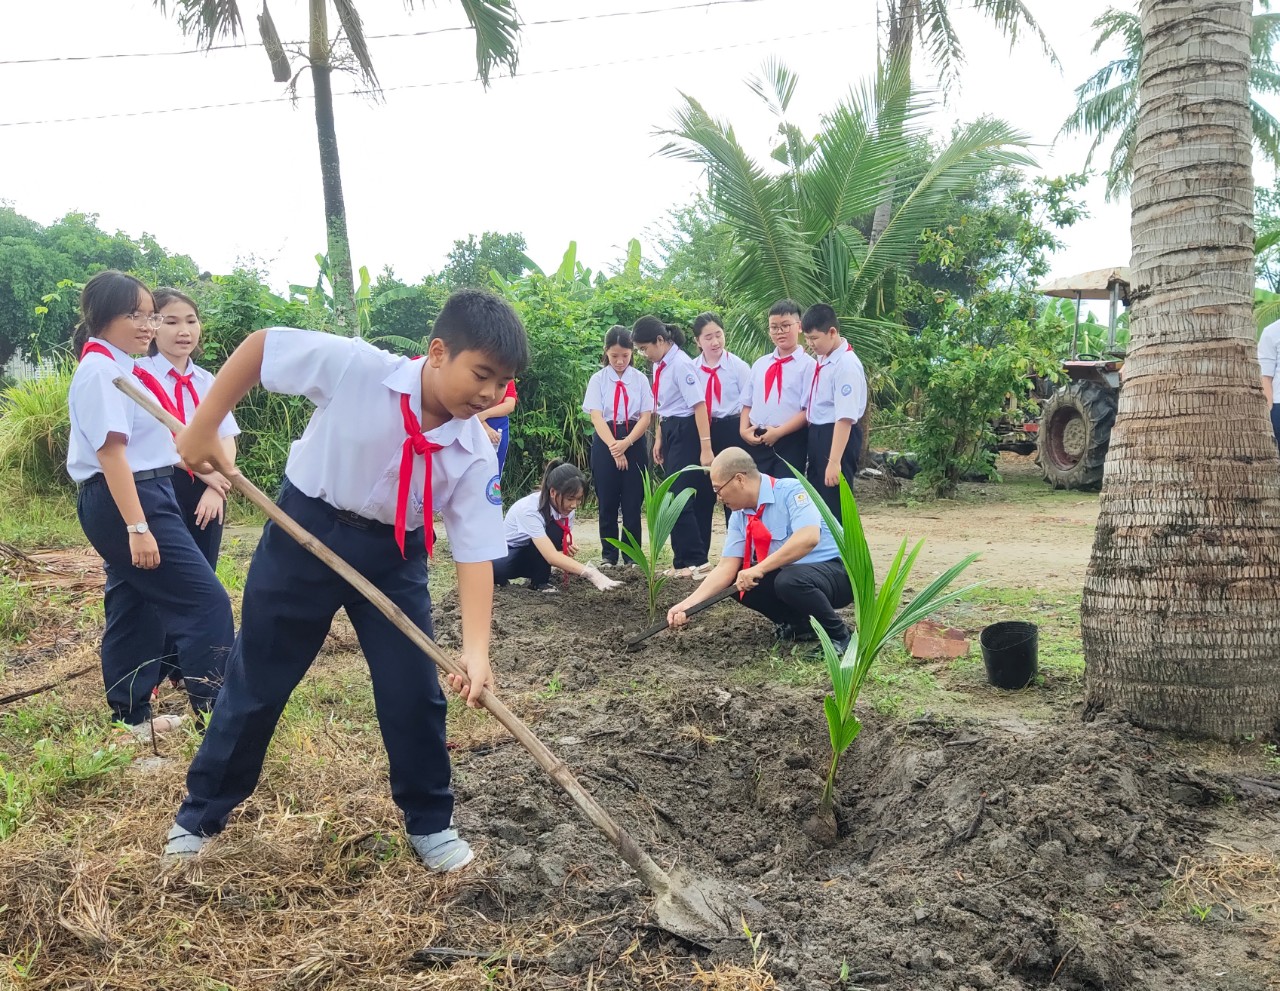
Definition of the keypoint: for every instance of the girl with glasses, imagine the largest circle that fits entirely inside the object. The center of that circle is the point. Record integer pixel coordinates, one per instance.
(122, 460)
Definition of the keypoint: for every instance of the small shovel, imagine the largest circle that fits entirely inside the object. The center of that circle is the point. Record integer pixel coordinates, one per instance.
(635, 642)
(695, 910)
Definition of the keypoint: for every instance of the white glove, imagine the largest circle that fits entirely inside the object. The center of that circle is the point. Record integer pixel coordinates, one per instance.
(601, 583)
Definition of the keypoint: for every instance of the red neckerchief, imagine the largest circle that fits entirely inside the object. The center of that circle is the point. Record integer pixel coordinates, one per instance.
(621, 390)
(758, 536)
(563, 523)
(713, 379)
(141, 374)
(414, 443)
(179, 382)
(657, 377)
(773, 375)
(817, 370)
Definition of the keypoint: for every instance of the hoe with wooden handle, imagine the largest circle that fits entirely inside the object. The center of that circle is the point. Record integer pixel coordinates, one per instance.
(693, 909)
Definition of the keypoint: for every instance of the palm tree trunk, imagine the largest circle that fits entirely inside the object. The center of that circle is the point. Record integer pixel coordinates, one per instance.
(335, 208)
(902, 16)
(1181, 607)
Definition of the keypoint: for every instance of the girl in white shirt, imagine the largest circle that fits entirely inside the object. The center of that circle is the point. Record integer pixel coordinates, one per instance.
(201, 498)
(620, 405)
(725, 378)
(539, 531)
(122, 460)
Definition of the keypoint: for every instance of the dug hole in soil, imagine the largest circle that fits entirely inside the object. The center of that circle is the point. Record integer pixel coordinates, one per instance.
(972, 854)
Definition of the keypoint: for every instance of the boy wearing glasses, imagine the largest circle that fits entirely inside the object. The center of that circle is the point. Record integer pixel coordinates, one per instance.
(778, 551)
(772, 423)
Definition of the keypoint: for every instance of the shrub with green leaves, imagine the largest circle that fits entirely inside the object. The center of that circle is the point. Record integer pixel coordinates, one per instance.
(879, 618)
(34, 427)
(661, 510)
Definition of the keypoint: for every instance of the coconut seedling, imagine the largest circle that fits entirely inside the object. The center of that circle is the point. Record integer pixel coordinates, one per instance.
(880, 616)
(661, 510)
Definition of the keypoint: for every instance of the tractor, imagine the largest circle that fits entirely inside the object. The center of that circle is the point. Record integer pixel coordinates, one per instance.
(1076, 418)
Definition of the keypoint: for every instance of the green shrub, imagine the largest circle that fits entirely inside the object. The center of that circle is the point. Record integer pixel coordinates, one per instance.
(34, 427)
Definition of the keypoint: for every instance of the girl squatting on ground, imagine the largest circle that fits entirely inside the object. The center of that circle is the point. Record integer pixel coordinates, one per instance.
(539, 531)
(620, 405)
(726, 378)
(773, 424)
(202, 498)
(122, 460)
(683, 437)
(391, 440)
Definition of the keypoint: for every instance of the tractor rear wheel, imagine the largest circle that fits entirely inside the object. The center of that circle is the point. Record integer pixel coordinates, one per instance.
(1075, 431)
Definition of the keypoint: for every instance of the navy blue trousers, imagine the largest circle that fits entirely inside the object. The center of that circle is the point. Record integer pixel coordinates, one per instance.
(796, 592)
(618, 490)
(724, 434)
(1275, 422)
(502, 424)
(681, 447)
(791, 450)
(820, 454)
(182, 599)
(290, 600)
(525, 561)
(188, 490)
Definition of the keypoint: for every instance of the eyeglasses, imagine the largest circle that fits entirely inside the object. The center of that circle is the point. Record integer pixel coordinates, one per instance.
(152, 320)
(775, 327)
(717, 489)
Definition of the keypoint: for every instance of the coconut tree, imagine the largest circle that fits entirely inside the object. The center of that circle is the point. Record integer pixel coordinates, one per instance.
(1107, 102)
(928, 23)
(1182, 601)
(793, 226)
(496, 27)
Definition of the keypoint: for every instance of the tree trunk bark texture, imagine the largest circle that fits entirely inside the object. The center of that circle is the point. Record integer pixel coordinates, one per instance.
(902, 16)
(335, 208)
(1181, 609)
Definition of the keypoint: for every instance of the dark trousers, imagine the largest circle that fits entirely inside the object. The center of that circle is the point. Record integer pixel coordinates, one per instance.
(526, 561)
(724, 433)
(681, 447)
(1275, 422)
(618, 490)
(182, 599)
(820, 454)
(791, 450)
(502, 424)
(188, 490)
(289, 603)
(797, 591)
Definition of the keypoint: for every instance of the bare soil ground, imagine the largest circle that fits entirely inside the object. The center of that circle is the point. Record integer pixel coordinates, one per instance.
(989, 840)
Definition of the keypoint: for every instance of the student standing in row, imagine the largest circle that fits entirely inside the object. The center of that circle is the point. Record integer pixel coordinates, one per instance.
(202, 498)
(725, 378)
(773, 424)
(683, 437)
(620, 405)
(779, 553)
(391, 439)
(497, 423)
(539, 531)
(837, 400)
(122, 461)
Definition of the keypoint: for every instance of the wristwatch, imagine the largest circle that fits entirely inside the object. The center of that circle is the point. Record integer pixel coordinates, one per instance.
(137, 527)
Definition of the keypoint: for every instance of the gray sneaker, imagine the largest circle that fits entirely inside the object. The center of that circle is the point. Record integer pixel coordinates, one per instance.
(182, 844)
(443, 852)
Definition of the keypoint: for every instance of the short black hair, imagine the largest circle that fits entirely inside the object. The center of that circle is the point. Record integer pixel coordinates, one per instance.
(617, 336)
(704, 320)
(107, 295)
(648, 329)
(819, 316)
(475, 320)
(162, 297)
(784, 308)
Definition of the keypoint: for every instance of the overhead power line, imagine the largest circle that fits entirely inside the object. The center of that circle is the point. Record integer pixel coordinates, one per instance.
(430, 85)
(243, 46)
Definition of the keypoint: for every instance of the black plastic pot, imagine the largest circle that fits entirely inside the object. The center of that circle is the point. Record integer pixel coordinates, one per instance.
(1009, 653)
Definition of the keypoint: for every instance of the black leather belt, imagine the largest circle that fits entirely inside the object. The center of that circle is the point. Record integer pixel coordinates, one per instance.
(138, 476)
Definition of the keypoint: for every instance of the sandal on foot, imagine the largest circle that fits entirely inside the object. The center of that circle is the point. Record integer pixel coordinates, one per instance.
(182, 844)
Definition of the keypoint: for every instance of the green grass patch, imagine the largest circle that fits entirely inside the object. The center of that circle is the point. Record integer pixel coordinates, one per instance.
(30, 519)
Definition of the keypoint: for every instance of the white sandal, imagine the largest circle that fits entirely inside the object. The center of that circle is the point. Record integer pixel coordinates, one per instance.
(693, 571)
(157, 726)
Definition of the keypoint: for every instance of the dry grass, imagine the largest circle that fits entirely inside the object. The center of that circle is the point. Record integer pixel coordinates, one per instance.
(1241, 885)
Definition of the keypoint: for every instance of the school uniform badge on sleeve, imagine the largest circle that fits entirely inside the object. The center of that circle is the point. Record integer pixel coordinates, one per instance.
(493, 491)
(802, 498)
(689, 379)
(846, 389)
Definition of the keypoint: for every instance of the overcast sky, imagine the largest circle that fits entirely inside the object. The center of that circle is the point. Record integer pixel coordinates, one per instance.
(564, 150)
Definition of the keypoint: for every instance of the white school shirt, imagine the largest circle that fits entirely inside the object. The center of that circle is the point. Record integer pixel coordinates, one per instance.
(776, 409)
(98, 408)
(840, 390)
(678, 388)
(1269, 356)
(163, 369)
(636, 397)
(787, 508)
(735, 377)
(524, 521)
(349, 455)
